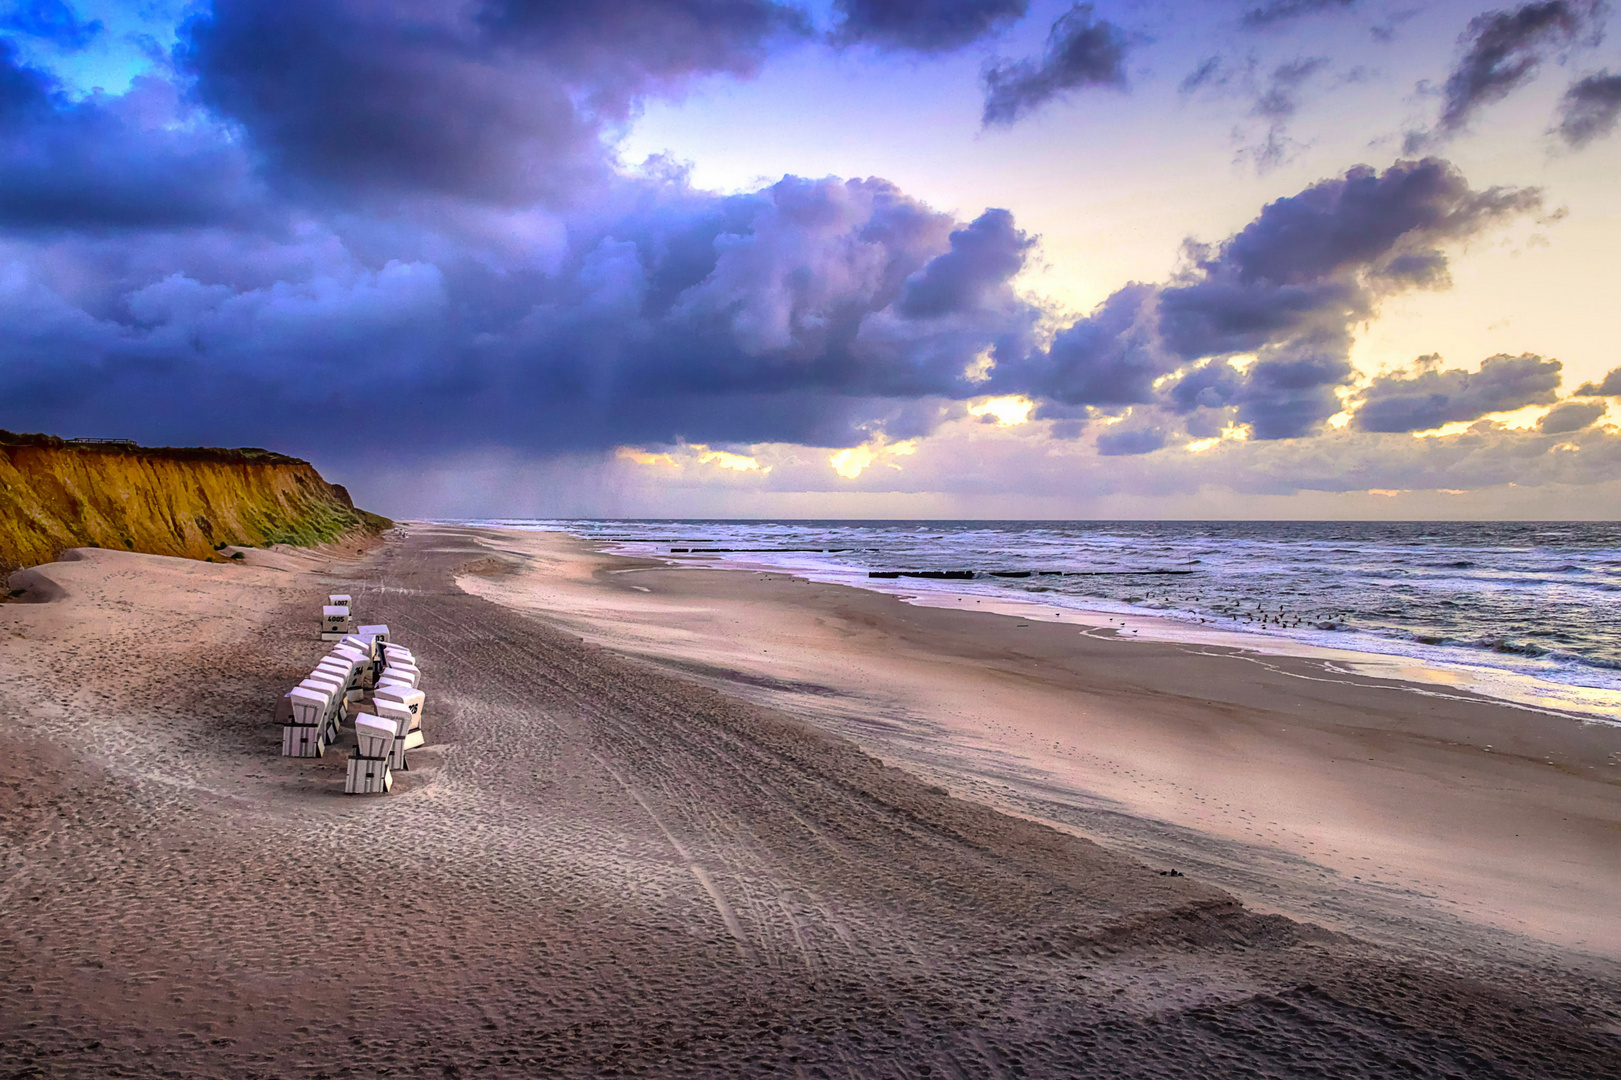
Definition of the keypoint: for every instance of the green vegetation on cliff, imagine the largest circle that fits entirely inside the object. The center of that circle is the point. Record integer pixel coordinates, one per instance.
(190, 501)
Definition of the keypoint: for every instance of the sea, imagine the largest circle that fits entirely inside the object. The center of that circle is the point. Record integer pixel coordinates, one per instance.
(1529, 611)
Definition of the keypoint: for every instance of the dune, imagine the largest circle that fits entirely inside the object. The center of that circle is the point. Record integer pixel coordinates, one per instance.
(57, 494)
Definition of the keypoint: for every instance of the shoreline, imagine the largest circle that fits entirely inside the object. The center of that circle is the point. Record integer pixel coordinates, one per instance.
(1436, 665)
(664, 852)
(1345, 793)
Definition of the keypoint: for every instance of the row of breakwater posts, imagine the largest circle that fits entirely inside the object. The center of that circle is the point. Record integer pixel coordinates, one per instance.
(368, 680)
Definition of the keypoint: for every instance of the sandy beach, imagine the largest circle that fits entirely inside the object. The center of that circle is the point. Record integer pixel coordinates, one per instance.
(683, 822)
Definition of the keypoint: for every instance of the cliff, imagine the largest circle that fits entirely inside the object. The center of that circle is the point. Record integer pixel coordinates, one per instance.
(57, 494)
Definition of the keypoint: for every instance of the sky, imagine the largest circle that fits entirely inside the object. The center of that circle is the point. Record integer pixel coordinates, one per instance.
(846, 258)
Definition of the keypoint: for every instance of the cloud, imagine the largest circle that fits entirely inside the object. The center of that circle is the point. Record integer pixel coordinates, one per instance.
(1589, 110)
(1430, 396)
(1282, 11)
(503, 102)
(1570, 416)
(1284, 291)
(53, 21)
(137, 160)
(768, 316)
(1136, 435)
(1081, 51)
(1609, 386)
(925, 26)
(1281, 97)
(1273, 99)
(983, 258)
(1277, 103)
(1502, 51)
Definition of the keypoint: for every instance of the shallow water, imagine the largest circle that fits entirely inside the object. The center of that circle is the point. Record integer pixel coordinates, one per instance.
(1537, 601)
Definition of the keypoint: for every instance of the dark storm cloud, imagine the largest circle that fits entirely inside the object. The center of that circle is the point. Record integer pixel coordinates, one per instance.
(1282, 11)
(53, 21)
(1609, 386)
(489, 277)
(926, 26)
(1081, 51)
(1589, 110)
(1287, 289)
(1502, 50)
(983, 258)
(1129, 439)
(132, 161)
(772, 316)
(498, 101)
(1570, 416)
(1431, 396)
(1362, 221)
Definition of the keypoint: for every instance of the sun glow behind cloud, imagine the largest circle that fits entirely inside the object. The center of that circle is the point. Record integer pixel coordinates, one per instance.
(1009, 411)
(852, 461)
(686, 456)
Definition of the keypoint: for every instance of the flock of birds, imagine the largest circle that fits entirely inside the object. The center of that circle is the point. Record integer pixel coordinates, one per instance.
(1250, 612)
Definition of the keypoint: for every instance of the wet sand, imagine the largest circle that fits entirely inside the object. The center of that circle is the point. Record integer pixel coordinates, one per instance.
(1351, 800)
(607, 864)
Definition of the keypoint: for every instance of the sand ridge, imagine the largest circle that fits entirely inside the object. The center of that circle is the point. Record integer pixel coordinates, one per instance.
(602, 868)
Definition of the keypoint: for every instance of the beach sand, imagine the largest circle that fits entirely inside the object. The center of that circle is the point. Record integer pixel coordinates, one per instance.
(635, 847)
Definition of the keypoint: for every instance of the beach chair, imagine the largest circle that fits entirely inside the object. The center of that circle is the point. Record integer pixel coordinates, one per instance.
(343, 669)
(357, 665)
(407, 676)
(349, 652)
(370, 767)
(374, 736)
(337, 700)
(402, 697)
(338, 665)
(305, 736)
(335, 622)
(407, 732)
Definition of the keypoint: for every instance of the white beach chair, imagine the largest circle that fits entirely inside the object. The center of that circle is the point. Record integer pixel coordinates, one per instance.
(407, 676)
(374, 736)
(349, 652)
(309, 704)
(401, 716)
(300, 740)
(369, 776)
(341, 669)
(350, 660)
(305, 736)
(404, 697)
(337, 699)
(338, 683)
(338, 665)
(407, 733)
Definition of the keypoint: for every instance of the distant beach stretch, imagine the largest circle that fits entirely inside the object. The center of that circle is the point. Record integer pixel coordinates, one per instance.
(1522, 610)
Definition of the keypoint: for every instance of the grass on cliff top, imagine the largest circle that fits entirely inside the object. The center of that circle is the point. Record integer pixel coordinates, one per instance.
(240, 455)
